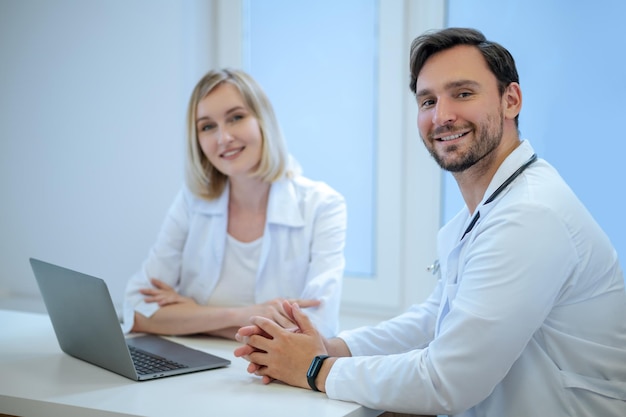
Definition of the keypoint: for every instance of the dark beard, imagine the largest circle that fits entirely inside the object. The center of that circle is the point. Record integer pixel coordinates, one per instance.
(489, 136)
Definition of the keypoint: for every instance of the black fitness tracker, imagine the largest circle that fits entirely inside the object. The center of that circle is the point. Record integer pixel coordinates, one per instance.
(314, 369)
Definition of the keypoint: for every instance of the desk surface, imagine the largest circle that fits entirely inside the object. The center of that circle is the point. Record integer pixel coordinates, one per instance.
(38, 379)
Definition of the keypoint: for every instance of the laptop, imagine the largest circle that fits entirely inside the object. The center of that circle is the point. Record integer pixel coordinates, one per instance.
(87, 327)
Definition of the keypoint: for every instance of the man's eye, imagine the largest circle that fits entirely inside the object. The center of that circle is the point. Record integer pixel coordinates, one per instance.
(465, 94)
(427, 103)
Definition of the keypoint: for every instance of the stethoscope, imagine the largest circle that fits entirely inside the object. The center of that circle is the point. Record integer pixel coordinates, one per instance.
(434, 267)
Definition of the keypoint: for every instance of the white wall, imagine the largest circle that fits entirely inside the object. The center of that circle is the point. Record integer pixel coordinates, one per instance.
(91, 135)
(92, 105)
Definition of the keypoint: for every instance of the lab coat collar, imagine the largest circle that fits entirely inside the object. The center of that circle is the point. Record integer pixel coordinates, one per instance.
(216, 207)
(282, 207)
(516, 159)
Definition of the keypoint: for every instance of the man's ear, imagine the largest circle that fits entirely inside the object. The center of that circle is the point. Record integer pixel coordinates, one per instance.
(512, 101)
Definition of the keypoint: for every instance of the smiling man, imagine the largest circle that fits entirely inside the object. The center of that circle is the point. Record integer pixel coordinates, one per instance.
(529, 314)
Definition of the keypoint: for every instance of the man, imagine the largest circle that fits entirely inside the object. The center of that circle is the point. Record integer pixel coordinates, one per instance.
(529, 315)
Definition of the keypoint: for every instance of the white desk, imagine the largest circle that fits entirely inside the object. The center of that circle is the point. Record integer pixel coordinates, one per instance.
(38, 379)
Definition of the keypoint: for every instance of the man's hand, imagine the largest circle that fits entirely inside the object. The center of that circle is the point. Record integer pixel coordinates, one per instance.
(278, 353)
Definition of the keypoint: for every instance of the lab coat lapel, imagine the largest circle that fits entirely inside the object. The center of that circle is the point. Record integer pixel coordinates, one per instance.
(282, 210)
(216, 212)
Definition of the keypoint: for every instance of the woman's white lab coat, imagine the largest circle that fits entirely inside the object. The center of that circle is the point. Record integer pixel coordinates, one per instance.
(301, 251)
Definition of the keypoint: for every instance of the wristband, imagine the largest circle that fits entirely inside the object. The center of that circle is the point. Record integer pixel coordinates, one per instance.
(314, 370)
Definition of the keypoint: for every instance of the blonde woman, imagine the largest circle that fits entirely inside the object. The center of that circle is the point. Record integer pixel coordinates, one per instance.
(246, 232)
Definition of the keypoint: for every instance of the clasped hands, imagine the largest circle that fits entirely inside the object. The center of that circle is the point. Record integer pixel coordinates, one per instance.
(279, 353)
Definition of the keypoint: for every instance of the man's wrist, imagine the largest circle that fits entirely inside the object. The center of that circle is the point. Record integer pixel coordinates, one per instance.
(314, 370)
(337, 347)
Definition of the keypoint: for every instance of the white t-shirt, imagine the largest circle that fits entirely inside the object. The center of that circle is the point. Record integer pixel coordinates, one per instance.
(237, 280)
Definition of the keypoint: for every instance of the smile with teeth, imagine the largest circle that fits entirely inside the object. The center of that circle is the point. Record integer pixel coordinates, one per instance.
(452, 137)
(231, 152)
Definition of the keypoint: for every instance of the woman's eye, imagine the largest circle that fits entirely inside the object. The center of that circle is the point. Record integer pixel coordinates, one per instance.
(207, 127)
(237, 117)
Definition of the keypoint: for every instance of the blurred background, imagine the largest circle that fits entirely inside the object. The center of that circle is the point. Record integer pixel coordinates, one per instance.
(94, 94)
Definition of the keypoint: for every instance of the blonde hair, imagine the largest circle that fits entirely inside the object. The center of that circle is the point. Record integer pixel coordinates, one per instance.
(202, 178)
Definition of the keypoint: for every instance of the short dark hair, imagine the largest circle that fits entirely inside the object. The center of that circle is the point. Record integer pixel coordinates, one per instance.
(499, 59)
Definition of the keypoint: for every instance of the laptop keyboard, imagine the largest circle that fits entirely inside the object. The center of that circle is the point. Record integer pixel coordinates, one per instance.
(147, 363)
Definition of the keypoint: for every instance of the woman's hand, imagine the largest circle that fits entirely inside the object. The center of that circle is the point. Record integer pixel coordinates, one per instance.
(217, 320)
(163, 294)
(275, 310)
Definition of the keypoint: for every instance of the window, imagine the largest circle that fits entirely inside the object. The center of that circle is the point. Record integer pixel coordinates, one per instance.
(324, 93)
(337, 74)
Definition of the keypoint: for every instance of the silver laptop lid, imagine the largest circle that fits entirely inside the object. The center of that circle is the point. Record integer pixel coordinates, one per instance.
(87, 326)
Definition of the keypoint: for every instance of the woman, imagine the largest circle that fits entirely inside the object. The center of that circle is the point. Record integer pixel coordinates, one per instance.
(245, 232)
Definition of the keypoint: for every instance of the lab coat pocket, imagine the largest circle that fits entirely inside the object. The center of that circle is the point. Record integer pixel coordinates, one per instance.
(611, 389)
(285, 278)
(451, 291)
(295, 271)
